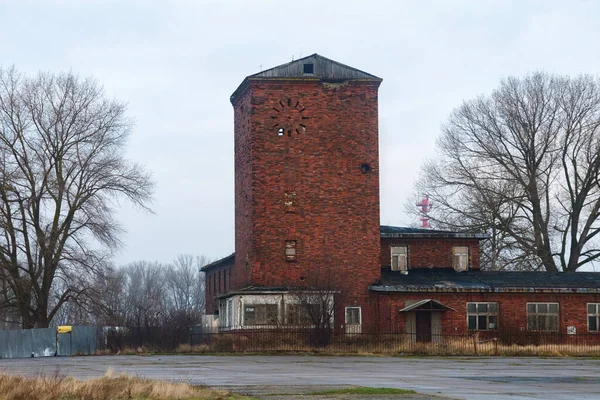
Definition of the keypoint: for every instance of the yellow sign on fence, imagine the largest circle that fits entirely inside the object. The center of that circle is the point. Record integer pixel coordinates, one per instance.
(64, 329)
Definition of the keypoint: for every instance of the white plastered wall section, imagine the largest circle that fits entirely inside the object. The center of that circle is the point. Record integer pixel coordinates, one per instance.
(231, 309)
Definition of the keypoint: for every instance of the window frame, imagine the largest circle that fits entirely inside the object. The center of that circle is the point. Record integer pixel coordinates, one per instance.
(359, 315)
(266, 312)
(300, 314)
(486, 314)
(546, 314)
(401, 267)
(455, 254)
(292, 245)
(595, 315)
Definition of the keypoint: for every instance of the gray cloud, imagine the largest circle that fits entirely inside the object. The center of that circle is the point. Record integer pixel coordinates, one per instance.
(176, 63)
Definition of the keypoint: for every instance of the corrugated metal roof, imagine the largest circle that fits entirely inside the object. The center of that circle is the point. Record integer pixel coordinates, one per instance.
(448, 280)
(319, 67)
(322, 68)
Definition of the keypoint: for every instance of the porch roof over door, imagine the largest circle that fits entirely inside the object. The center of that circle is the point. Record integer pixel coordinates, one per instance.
(427, 305)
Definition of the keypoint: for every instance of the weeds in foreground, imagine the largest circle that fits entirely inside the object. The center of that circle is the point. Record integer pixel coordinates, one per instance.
(446, 347)
(122, 387)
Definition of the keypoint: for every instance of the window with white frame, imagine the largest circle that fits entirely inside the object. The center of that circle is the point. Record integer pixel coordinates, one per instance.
(542, 317)
(399, 258)
(593, 311)
(229, 313)
(460, 258)
(482, 316)
(353, 316)
(260, 314)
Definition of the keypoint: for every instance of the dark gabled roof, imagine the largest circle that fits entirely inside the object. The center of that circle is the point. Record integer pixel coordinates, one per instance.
(324, 69)
(405, 232)
(448, 280)
(230, 259)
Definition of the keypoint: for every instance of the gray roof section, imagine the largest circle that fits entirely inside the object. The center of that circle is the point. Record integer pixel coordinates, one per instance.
(323, 69)
(229, 260)
(405, 232)
(448, 280)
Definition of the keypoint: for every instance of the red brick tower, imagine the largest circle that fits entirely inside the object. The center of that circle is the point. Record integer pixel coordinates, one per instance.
(307, 179)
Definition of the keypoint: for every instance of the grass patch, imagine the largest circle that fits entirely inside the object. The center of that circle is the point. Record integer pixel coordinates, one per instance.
(362, 390)
(57, 387)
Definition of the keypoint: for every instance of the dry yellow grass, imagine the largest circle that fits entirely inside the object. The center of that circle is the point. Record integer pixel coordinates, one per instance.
(56, 387)
(457, 346)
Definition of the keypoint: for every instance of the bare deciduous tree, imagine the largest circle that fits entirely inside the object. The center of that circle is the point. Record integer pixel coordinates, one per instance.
(62, 169)
(313, 307)
(523, 165)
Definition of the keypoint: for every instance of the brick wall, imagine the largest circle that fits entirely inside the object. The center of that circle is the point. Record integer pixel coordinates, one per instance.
(218, 280)
(512, 309)
(241, 272)
(334, 218)
(429, 252)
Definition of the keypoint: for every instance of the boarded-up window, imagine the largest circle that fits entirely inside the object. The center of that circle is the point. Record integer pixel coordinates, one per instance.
(542, 317)
(353, 316)
(260, 314)
(593, 317)
(290, 201)
(482, 316)
(399, 258)
(290, 250)
(460, 258)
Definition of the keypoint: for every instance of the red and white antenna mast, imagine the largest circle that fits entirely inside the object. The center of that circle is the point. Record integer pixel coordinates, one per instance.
(425, 206)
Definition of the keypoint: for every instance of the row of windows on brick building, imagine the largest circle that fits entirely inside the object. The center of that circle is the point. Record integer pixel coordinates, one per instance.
(482, 316)
(399, 258)
(542, 317)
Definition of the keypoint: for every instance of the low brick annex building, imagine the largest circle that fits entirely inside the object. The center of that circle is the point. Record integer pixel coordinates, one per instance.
(307, 221)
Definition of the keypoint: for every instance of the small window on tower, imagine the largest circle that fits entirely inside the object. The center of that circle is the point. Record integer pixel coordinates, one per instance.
(290, 201)
(290, 250)
(309, 69)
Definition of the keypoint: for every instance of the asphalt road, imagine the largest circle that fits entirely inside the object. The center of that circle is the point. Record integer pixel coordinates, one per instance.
(463, 378)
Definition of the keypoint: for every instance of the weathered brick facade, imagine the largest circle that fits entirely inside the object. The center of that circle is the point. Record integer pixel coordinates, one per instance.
(330, 132)
(307, 215)
(429, 252)
(512, 315)
(218, 281)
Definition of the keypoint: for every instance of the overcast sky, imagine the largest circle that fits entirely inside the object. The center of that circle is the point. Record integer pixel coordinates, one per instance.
(176, 63)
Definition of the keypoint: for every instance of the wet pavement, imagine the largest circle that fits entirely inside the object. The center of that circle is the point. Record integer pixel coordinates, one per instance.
(463, 378)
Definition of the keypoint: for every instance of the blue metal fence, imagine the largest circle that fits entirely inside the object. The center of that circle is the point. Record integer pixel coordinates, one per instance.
(47, 342)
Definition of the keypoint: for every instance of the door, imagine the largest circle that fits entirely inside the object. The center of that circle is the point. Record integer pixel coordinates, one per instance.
(423, 323)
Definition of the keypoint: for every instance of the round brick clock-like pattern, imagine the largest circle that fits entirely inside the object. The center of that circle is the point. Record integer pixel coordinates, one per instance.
(289, 118)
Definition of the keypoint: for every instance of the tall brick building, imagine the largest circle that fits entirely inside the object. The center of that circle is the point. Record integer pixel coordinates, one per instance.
(307, 221)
